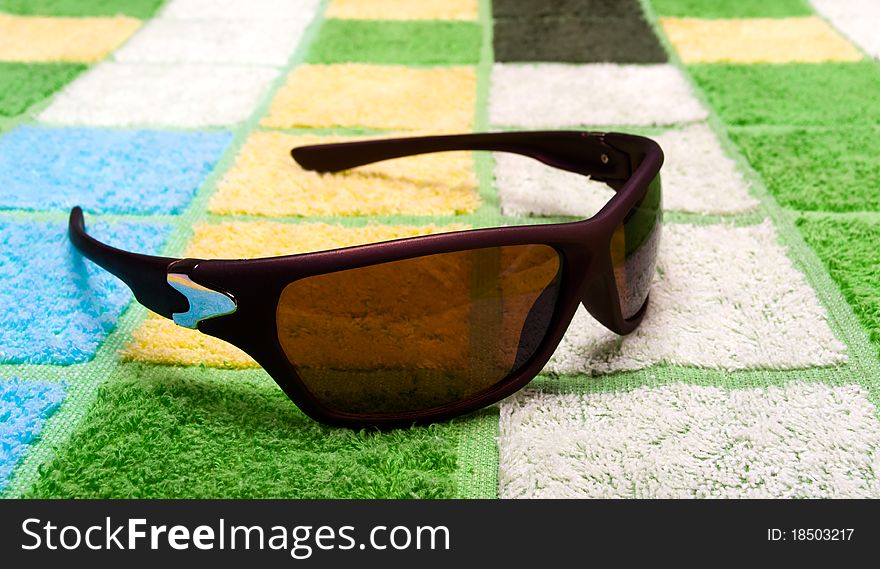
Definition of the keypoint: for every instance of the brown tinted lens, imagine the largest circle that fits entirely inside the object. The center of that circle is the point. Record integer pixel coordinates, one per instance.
(418, 333)
(634, 250)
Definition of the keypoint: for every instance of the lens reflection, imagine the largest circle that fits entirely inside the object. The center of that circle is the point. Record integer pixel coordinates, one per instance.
(634, 247)
(418, 333)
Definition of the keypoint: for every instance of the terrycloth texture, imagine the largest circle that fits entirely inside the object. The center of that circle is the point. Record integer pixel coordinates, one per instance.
(831, 94)
(528, 187)
(762, 306)
(266, 181)
(134, 8)
(697, 177)
(24, 406)
(724, 298)
(116, 171)
(182, 95)
(238, 10)
(803, 440)
(573, 8)
(862, 31)
(259, 42)
(23, 84)
(403, 9)
(859, 20)
(25, 38)
(577, 40)
(407, 43)
(64, 305)
(850, 248)
(837, 8)
(732, 8)
(223, 434)
(530, 33)
(390, 97)
(243, 437)
(160, 340)
(834, 169)
(557, 95)
(757, 40)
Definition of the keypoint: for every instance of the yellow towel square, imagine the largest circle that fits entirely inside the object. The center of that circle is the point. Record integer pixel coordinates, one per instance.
(376, 96)
(26, 38)
(758, 40)
(266, 181)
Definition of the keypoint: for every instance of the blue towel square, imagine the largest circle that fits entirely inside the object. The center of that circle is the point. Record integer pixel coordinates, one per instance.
(107, 171)
(24, 406)
(56, 307)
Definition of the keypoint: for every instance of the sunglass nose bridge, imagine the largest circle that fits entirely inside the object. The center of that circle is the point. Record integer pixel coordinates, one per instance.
(204, 302)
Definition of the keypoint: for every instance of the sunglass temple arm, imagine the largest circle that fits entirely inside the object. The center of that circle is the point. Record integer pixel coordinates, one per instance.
(162, 284)
(585, 153)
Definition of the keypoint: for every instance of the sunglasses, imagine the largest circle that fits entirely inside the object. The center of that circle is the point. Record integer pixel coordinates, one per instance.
(426, 328)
